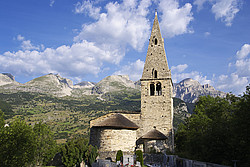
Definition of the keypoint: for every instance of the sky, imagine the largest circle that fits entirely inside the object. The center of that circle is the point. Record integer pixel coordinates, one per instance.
(87, 40)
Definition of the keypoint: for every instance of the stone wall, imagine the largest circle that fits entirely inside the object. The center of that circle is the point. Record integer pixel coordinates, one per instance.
(156, 89)
(157, 111)
(155, 146)
(112, 140)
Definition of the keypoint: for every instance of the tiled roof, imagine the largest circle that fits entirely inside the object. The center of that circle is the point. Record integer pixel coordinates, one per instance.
(154, 135)
(117, 121)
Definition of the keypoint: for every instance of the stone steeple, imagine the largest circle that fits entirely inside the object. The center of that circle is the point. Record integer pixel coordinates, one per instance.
(156, 65)
(156, 90)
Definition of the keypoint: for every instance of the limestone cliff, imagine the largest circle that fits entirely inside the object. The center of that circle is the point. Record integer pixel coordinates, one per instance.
(189, 90)
(7, 78)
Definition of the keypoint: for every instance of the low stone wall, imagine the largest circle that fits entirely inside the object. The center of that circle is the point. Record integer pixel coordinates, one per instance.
(175, 161)
(104, 163)
(153, 159)
(182, 162)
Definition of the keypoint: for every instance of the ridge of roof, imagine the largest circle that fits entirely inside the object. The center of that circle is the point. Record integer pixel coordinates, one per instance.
(117, 121)
(154, 135)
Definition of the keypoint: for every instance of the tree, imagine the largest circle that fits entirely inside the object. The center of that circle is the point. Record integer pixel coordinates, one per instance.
(207, 134)
(74, 151)
(17, 146)
(139, 156)
(6, 108)
(45, 144)
(91, 155)
(241, 130)
(119, 155)
(1, 119)
(218, 131)
(190, 136)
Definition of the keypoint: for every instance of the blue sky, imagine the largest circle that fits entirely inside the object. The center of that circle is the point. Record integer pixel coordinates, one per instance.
(207, 40)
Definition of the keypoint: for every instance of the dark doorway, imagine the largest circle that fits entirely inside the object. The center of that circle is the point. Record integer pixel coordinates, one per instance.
(158, 89)
(152, 89)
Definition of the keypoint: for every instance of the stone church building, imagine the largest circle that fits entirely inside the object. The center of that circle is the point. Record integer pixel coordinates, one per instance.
(151, 129)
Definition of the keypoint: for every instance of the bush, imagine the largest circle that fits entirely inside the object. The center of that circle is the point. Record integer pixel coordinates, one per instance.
(119, 155)
(139, 156)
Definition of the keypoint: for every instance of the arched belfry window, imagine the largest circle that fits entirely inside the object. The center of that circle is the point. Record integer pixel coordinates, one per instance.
(158, 89)
(155, 74)
(152, 89)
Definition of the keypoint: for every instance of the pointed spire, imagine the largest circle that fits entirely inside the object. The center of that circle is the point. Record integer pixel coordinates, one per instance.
(156, 57)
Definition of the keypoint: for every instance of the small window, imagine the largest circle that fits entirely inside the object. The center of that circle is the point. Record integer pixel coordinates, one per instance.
(158, 89)
(152, 89)
(156, 41)
(155, 74)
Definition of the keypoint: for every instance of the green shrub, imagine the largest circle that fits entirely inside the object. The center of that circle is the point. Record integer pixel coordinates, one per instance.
(119, 154)
(139, 156)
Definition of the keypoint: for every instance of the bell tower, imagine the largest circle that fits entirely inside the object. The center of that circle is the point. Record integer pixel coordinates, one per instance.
(156, 89)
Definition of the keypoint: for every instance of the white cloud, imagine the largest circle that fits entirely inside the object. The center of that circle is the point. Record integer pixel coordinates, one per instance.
(51, 3)
(134, 70)
(123, 24)
(199, 4)
(240, 77)
(87, 7)
(244, 52)
(226, 10)
(177, 77)
(179, 68)
(207, 34)
(243, 67)
(74, 61)
(242, 63)
(178, 74)
(175, 19)
(232, 83)
(20, 37)
(26, 45)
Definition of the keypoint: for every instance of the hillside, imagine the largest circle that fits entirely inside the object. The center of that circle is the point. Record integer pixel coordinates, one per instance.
(69, 116)
(68, 108)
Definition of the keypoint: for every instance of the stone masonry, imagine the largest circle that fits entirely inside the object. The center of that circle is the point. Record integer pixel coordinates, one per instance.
(156, 109)
(156, 89)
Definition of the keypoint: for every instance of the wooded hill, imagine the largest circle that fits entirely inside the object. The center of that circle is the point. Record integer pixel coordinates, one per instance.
(69, 116)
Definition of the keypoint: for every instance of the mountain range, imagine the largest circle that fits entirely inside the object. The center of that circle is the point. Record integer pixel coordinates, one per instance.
(187, 90)
(68, 108)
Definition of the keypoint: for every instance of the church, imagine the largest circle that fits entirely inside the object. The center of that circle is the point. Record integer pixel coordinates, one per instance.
(151, 129)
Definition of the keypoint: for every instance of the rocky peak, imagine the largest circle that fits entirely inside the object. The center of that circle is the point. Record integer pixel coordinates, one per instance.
(189, 82)
(50, 83)
(85, 84)
(189, 90)
(10, 76)
(6, 78)
(51, 79)
(113, 83)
